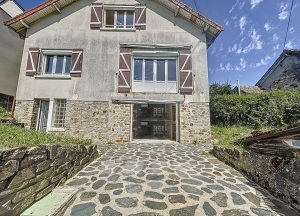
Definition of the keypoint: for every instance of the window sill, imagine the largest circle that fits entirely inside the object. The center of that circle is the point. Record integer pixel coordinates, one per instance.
(118, 29)
(52, 76)
(57, 130)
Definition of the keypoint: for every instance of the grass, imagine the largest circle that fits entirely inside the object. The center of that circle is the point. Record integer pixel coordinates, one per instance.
(13, 136)
(228, 135)
(3, 113)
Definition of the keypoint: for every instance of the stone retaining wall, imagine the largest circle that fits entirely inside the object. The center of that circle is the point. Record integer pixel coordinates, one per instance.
(27, 175)
(280, 176)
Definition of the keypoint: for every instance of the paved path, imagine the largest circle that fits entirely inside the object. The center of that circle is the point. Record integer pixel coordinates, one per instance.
(163, 179)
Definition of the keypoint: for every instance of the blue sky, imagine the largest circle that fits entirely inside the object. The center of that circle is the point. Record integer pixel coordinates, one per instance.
(253, 38)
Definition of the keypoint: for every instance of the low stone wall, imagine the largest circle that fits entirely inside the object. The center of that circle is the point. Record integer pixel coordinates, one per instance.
(27, 175)
(280, 176)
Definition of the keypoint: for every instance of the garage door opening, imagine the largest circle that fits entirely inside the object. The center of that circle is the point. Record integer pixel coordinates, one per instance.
(154, 121)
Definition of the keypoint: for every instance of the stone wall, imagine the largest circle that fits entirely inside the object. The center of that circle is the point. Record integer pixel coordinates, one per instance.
(194, 123)
(27, 175)
(6, 102)
(288, 79)
(280, 176)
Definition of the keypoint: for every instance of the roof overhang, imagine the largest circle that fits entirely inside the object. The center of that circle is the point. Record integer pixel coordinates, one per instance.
(21, 22)
(211, 28)
(283, 55)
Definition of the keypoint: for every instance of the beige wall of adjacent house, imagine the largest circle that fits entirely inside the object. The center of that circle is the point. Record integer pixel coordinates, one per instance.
(11, 47)
(71, 29)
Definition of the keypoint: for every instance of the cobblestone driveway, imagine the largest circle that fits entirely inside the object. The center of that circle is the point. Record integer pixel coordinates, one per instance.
(163, 179)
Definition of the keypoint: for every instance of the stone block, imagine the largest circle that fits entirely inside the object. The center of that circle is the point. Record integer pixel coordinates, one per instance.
(29, 160)
(37, 150)
(22, 175)
(8, 169)
(44, 192)
(46, 174)
(53, 150)
(14, 153)
(23, 204)
(62, 181)
(58, 177)
(43, 166)
(85, 160)
(58, 161)
(63, 167)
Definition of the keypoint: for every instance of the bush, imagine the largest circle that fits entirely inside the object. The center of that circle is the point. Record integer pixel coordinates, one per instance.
(268, 109)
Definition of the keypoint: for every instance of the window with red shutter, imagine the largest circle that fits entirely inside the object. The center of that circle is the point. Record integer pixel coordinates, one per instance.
(32, 61)
(96, 15)
(76, 66)
(140, 16)
(186, 76)
(124, 79)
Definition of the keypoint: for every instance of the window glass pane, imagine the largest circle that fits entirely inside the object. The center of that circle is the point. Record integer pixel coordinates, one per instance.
(68, 64)
(161, 70)
(149, 70)
(110, 14)
(49, 64)
(129, 19)
(59, 113)
(120, 19)
(138, 69)
(59, 64)
(172, 70)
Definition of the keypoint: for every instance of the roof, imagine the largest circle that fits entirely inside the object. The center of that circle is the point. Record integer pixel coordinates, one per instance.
(283, 55)
(249, 89)
(39, 12)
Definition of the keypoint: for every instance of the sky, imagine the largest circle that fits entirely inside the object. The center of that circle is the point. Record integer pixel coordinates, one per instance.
(253, 38)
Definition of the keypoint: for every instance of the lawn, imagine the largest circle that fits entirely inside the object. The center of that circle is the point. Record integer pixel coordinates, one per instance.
(14, 136)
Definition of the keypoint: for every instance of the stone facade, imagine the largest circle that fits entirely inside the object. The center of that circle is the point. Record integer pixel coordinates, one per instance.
(288, 79)
(29, 174)
(194, 123)
(24, 113)
(105, 122)
(280, 176)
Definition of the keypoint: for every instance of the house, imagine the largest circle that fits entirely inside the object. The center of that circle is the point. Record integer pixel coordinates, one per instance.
(11, 46)
(247, 89)
(115, 70)
(284, 73)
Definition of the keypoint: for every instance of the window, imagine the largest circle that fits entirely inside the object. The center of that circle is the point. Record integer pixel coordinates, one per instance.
(51, 115)
(56, 62)
(119, 18)
(59, 113)
(152, 74)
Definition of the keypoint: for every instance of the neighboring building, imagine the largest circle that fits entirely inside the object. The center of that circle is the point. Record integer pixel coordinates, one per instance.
(115, 70)
(247, 89)
(11, 46)
(284, 73)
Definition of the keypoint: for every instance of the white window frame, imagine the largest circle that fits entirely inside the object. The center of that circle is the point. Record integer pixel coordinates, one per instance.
(51, 116)
(55, 53)
(141, 85)
(116, 9)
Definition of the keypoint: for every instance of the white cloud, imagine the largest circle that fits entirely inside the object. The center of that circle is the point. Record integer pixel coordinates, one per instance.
(239, 50)
(256, 43)
(242, 4)
(292, 30)
(275, 38)
(254, 3)
(221, 48)
(234, 6)
(283, 11)
(234, 17)
(268, 27)
(290, 45)
(234, 48)
(227, 23)
(243, 22)
(243, 65)
(263, 61)
(227, 67)
(276, 47)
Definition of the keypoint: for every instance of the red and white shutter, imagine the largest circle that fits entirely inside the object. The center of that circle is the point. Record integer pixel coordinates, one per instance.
(124, 80)
(96, 15)
(76, 66)
(140, 16)
(186, 75)
(32, 61)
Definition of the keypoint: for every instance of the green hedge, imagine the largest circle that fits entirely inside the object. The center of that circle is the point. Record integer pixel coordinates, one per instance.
(267, 109)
